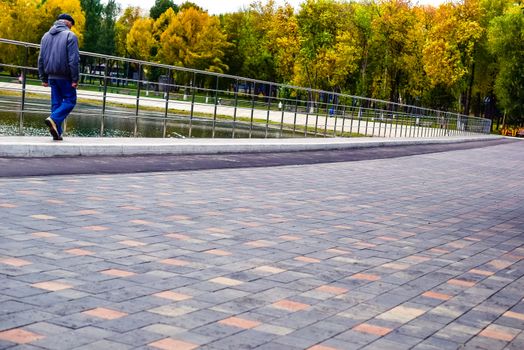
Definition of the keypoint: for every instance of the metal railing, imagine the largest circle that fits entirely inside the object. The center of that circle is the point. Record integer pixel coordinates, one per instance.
(181, 102)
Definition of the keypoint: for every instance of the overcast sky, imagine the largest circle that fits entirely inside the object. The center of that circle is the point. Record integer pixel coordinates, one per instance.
(223, 6)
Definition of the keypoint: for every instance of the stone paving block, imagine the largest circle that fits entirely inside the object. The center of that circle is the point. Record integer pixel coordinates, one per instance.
(105, 344)
(135, 338)
(198, 318)
(132, 322)
(23, 318)
(319, 331)
(63, 341)
(276, 346)
(440, 343)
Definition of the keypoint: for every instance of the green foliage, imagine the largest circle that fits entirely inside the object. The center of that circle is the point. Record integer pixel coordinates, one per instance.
(161, 6)
(506, 39)
(93, 12)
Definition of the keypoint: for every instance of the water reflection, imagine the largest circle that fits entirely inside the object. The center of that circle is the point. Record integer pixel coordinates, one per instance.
(86, 121)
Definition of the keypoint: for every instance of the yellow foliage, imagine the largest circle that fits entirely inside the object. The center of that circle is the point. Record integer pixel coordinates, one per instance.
(192, 39)
(448, 53)
(140, 40)
(52, 8)
(17, 21)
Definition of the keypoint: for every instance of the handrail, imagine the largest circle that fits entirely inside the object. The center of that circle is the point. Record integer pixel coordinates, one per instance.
(319, 107)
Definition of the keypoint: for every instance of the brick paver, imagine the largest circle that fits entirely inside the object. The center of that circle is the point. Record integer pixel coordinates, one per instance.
(421, 252)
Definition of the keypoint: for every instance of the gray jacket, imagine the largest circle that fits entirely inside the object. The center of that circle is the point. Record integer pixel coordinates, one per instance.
(59, 54)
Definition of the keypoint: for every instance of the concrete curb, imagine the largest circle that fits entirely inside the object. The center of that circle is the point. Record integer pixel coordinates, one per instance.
(26, 146)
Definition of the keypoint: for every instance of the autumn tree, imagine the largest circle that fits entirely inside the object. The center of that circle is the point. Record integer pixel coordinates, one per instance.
(123, 26)
(393, 43)
(140, 41)
(50, 10)
(448, 53)
(14, 23)
(414, 85)
(192, 39)
(28, 20)
(329, 45)
(13, 26)
(283, 43)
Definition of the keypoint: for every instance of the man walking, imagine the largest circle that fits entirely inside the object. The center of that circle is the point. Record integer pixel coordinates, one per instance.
(58, 67)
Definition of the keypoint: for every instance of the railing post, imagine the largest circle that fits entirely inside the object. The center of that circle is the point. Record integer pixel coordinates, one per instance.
(307, 114)
(135, 132)
(359, 115)
(326, 118)
(252, 109)
(295, 116)
(191, 113)
(268, 111)
(24, 80)
(374, 123)
(166, 95)
(235, 110)
(390, 125)
(104, 100)
(351, 121)
(367, 122)
(282, 118)
(216, 108)
(335, 126)
(316, 116)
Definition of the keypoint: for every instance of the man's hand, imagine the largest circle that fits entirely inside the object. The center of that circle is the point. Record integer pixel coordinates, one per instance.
(74, 85)
(45, 84)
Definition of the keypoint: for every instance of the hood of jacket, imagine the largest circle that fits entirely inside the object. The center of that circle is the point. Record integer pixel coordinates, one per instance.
(58, 27)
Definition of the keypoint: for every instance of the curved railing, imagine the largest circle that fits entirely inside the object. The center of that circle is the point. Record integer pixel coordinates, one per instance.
(122, 96)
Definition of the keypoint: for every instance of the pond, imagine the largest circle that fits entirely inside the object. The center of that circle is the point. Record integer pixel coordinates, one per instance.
(86, 120)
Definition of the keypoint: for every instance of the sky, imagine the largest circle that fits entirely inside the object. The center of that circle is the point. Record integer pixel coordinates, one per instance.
(224, 6)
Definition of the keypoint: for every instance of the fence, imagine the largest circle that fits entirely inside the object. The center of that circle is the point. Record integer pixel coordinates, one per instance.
(140, 96)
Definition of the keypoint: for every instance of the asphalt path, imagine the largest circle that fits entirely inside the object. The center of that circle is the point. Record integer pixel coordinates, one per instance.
(23, 167)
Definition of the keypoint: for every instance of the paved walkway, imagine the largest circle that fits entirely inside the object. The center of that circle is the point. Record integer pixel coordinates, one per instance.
(422, 252)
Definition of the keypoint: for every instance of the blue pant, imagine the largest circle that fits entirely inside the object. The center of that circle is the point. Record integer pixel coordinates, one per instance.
(63, 100)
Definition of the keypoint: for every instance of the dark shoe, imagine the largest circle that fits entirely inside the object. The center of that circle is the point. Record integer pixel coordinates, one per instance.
(52, 128)
(59, 138)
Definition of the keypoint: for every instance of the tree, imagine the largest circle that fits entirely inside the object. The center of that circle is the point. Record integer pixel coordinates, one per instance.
(392, 44)
(123, 26)
(449, 51)
(50, 10)
(192, 39)
(93, 14)
(329, 45)
(188, 4)
(106, 41)
(415, 85)
(282, 42)
(14, 23)
(13, 26)
(160, 7)
(483, 101)
(232, 25)
(140, 41)
(506, 39)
